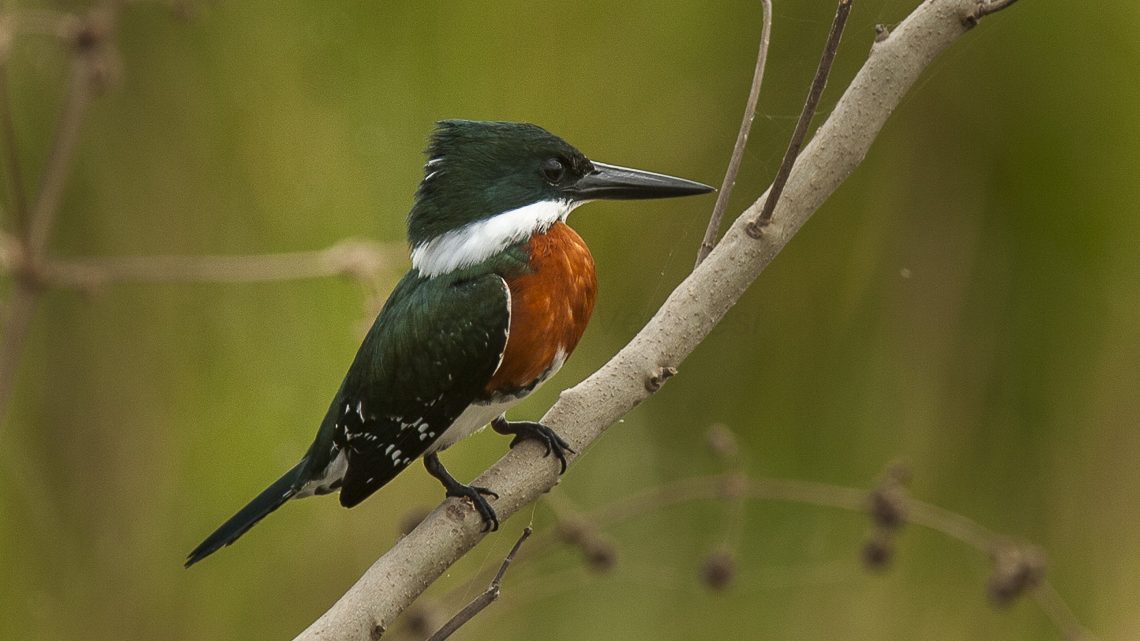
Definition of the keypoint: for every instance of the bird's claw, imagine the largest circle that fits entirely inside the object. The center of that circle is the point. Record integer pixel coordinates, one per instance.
(475, 494)
(531, 430)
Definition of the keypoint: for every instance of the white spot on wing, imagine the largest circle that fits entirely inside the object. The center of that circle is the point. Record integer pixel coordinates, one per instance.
(473, 419)
(329, 476)
(507, 331)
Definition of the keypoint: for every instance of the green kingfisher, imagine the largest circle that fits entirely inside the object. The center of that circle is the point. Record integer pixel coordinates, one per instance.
(499, 292)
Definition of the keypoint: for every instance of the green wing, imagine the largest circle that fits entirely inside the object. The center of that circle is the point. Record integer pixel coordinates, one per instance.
(430, 353)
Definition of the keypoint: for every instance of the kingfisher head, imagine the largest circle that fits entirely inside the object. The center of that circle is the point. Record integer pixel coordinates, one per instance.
(490, 185)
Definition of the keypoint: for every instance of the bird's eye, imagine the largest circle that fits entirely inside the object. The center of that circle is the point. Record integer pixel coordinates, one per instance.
(553, 170)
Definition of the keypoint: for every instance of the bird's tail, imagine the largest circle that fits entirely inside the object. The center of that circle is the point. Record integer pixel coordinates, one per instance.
(270, 499)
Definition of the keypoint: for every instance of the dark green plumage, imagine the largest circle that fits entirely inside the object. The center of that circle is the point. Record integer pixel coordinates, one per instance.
(427, 357)
(485, 168)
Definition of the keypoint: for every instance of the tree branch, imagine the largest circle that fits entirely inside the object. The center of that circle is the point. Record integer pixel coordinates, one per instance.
(585, 411)
(357, 258)
(480, 603)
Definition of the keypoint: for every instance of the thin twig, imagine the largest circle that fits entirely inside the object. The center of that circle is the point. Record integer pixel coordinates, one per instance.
(479, 603)
(11, 156)
(42, 22)
(358, 258)
(755, 227)
(713, 230)
(19, 310)
(1051, 603)
(43, 214)
(25, 294)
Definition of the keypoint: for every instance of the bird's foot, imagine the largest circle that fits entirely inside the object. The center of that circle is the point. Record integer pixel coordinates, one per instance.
(523, 430)
(474, 493)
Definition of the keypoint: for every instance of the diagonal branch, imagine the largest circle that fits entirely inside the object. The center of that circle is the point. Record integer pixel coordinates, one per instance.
(584, 412)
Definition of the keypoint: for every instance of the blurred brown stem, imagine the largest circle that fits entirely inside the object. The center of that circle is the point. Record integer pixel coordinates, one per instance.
(41, 218)
(37, 225)
(16, 194)
(358, 258)
(713, 230)
(740, 488)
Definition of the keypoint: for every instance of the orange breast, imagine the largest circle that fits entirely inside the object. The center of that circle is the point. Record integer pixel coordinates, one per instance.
(550, 306)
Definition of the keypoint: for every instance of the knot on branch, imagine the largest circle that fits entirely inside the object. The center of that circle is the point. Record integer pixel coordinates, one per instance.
(887, 505)
(359, 259)
(89, 34)
(721, 441)
(878, 551)
(15, 259)
(658, 377)
(92, 40)
(983, 9)
(755, 228)
(599, 552)
(888, 502)
(1016, 570)
(719, 569)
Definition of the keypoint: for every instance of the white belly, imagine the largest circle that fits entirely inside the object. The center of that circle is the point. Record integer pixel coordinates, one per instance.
(473, 419)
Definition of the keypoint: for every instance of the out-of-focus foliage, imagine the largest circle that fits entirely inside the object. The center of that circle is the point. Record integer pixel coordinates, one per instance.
(967, 302)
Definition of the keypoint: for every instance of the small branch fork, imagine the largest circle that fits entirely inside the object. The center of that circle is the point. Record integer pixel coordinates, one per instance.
(479, 603)
(713, 230)
(756, 226)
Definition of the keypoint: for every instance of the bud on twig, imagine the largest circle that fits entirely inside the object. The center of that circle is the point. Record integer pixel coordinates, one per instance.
(719, 569)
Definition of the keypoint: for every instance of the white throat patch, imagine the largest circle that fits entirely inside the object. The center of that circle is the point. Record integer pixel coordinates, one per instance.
(475, 242)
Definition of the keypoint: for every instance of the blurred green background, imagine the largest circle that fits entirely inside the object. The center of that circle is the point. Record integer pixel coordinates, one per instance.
(967, 302)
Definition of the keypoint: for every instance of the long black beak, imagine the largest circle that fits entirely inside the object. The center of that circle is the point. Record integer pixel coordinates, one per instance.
(622, 183)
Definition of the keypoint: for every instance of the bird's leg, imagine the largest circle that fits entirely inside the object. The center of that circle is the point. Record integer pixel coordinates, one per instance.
(523, 430)
(473, 492)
